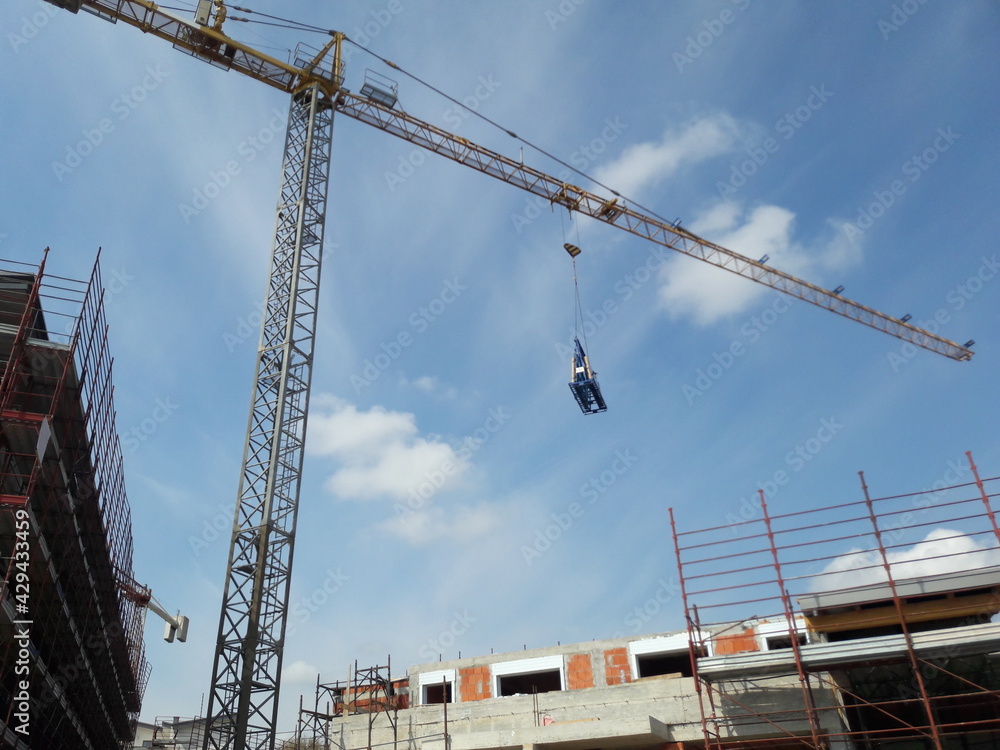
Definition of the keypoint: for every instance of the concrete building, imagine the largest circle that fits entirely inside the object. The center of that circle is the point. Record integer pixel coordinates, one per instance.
(72, 665)
(631, 693)
(170, 733)
(891, 646)
(641, 693)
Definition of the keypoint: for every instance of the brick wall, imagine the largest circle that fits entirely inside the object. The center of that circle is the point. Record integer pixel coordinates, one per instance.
(616, 666)
(580, 672)
(735, 643)
(474, 683)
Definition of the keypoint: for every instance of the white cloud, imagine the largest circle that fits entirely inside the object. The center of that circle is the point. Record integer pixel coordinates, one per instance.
(379, 452)
(430, 384)
(707, 293)
(425, 383)
(381, 455)
(941, 551)
(644, 165)
(299, 671)
(459, 524)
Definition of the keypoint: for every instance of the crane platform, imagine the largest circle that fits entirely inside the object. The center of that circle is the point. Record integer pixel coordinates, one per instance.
(584, 385)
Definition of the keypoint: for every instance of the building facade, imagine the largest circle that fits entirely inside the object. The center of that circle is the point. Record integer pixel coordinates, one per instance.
(72, 664)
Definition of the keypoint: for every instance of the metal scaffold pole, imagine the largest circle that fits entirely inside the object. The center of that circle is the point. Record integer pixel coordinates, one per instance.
(243, 702)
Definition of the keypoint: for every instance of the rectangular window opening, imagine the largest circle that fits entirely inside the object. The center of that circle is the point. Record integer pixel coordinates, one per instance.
(666, 663)
(783, 640)
(530, 683)
(437, 693)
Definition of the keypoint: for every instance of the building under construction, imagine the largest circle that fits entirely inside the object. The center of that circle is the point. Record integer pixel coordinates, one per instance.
(72, 665)
(864, 625)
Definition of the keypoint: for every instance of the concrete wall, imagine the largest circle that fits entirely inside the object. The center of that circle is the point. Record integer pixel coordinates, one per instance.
(603, 704)
(618, 713)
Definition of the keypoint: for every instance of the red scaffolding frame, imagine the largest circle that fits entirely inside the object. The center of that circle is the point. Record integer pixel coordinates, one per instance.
(368, 690)
(882, 607)
(61, 486)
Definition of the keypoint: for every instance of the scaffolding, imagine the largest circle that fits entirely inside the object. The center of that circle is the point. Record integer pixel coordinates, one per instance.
(871, 627)
(367, 690)
(178, 733)
(72, 661)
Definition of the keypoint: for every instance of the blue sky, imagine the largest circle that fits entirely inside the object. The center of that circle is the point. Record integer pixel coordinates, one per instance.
(771, 129)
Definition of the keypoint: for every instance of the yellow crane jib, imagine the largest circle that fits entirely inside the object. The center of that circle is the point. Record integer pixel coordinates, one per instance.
(200, 39)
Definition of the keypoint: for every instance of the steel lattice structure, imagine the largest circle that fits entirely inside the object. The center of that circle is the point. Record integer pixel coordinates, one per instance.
(615, 212)
(243, 703)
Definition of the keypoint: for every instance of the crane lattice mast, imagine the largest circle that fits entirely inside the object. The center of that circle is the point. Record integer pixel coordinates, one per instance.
(243, 703)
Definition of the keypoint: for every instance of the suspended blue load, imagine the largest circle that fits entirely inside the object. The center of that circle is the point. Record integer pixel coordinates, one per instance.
(584, 384)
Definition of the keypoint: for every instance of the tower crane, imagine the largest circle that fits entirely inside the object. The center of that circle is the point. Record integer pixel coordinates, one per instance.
(243, 700)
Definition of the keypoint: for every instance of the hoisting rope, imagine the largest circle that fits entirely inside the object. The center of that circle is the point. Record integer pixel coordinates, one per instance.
(573, 251)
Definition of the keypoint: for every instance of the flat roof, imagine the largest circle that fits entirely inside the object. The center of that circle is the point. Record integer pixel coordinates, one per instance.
(942, 583)
(945, 643)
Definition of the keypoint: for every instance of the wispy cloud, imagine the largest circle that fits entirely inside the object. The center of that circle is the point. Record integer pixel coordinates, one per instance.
(457, 523)
(701, 291)
(430, 384)
(645, 165)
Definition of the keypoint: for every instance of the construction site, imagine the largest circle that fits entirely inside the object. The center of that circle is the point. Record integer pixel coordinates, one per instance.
(807, 616)
(864, 650)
